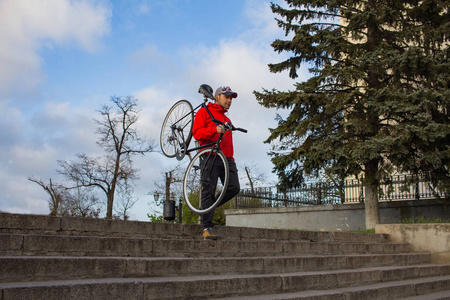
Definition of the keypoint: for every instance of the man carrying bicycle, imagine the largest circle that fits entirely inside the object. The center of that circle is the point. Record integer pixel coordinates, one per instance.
(206, 131)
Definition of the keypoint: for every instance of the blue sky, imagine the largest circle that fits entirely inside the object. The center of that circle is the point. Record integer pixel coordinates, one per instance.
(61, 60)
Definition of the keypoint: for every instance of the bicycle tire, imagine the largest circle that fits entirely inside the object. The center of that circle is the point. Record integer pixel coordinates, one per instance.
(194, 183)
(181, 114)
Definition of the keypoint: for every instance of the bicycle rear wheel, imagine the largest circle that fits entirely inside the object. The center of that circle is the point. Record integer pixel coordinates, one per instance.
(176, 131)
(208, 168)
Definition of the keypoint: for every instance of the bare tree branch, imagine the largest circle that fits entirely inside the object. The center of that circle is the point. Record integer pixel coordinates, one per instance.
(120, 140)
(55, 191)
(253, 175)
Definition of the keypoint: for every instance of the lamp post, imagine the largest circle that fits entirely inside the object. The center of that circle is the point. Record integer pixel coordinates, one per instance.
(170, 205)
(180, 210)
(173, 204)
(156, 197)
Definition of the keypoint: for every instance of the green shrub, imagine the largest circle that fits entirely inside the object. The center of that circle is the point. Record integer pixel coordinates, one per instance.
(372, 230)
(421, 220)
(155, 218)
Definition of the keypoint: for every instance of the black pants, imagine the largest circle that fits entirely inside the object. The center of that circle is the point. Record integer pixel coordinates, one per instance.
(209, 186)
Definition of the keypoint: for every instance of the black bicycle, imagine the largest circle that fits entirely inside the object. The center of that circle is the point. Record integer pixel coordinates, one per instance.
(176, 135)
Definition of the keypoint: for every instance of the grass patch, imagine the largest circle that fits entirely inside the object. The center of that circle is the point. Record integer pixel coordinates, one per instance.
(371, 230)
(422, 220)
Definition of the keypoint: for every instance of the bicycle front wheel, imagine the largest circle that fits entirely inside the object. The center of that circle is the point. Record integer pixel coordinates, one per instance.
(206, 180)
(176, 131)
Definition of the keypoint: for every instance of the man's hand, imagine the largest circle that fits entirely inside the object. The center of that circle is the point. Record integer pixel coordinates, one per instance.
(221, 129)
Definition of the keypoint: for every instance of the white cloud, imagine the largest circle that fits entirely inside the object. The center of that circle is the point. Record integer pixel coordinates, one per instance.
(57, 132)
(27, 26)
(154, 104)
(10, 124)
(143, 8)
(32, 160)
(263, 20)
(58, 129)
(21, 196)
(241, 63)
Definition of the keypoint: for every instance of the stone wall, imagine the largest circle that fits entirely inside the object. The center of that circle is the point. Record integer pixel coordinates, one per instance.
(344, 217)
(434, 238)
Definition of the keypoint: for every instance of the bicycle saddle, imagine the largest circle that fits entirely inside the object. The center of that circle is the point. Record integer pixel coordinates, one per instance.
(207, 91)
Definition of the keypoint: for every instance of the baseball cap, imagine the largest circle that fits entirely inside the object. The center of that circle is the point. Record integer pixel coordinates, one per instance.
(226, 90)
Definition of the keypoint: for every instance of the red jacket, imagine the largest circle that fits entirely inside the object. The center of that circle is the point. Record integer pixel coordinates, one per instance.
(205, 130)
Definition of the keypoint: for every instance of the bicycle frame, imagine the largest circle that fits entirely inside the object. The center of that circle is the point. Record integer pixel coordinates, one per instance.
(178, 135)
(216, 144)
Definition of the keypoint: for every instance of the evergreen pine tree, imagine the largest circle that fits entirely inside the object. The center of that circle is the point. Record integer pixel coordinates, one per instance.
(378, 97)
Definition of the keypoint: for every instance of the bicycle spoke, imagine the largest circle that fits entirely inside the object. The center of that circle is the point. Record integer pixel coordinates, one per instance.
(177, 128)
(203, 173)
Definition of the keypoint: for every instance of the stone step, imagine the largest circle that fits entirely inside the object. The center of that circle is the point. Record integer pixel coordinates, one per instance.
(15, 269)
(61, 245)
(443, 295)
(44, 257)
(39, 224)
(374, 283)
(431, 288)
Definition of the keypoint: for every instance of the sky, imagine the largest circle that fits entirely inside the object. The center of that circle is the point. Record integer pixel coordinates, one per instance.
(61, 60)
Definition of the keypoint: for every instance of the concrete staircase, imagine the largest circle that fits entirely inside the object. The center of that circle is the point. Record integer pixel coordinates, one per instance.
(43, 257)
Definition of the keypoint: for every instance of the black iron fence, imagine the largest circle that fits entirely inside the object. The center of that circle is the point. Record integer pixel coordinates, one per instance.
(399, 187)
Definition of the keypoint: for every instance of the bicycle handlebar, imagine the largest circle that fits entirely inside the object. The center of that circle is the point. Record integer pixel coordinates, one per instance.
(242, 129)
(230, 126)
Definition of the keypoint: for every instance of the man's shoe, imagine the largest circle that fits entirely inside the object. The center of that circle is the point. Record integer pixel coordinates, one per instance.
(208, 234)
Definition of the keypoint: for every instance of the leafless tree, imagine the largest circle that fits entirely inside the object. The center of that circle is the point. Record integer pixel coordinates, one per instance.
(55, 191)
(253, 175)
(125, 202)
(81, 202)
(171, 186)
(119, 139)
(69, 202)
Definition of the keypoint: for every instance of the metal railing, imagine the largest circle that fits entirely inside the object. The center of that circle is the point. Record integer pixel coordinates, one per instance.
(398, 187)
